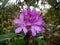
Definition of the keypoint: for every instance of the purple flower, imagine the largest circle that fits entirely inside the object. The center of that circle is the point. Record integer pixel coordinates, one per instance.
(29, 20)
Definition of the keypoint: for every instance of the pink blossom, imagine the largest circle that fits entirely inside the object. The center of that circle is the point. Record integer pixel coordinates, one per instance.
(30, 18)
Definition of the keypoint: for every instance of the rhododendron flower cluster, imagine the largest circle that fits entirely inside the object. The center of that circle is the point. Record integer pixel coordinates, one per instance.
(29, 20)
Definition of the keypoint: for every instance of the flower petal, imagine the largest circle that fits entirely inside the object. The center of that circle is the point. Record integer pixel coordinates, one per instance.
(24, 12)
(40, 22)
(16, 21)
(42, 29)
(28, 23)
(21, 17)
(18, 30)
(24, 30)
(28, 10)
(33, 12)
(33, 31)
(37, 29)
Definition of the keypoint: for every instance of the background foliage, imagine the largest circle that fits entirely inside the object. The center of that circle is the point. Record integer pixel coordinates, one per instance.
(51, 36)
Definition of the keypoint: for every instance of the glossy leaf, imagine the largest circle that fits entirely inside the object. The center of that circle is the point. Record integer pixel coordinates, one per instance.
(6, 36)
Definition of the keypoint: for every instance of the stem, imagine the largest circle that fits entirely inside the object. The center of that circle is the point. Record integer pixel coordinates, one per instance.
(30, 41)
(29, 38)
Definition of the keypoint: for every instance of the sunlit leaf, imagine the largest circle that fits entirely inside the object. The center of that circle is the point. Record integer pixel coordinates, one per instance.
(6, 36)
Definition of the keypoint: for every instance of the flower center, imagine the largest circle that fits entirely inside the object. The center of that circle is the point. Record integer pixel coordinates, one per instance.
(28, 27)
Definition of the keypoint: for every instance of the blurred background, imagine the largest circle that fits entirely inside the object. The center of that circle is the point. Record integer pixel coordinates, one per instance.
(10, 9)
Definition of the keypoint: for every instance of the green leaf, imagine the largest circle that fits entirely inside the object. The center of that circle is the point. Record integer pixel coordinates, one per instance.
(41, 41)
(18, 42)
(6, 36)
